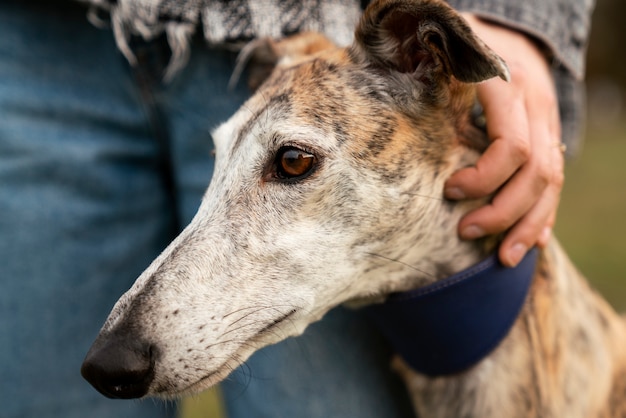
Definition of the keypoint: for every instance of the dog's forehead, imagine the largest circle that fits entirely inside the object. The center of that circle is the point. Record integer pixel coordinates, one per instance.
(327, 99)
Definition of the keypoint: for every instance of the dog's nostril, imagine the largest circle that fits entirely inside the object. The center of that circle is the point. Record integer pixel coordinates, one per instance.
(119, 368)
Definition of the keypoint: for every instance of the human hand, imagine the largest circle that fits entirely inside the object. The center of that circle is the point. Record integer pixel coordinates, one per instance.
(523, 164)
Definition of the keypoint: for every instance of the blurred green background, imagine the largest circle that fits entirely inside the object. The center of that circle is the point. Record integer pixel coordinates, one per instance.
(591, 224)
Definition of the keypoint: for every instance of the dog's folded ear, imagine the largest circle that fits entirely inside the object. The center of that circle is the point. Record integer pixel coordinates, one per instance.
(425, 38)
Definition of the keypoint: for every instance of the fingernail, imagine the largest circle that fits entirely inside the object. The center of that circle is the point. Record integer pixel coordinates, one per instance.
(454, 193)
(516, 253)
(472, 232)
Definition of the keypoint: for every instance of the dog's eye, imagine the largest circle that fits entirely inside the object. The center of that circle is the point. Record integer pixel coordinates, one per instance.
(293, 163)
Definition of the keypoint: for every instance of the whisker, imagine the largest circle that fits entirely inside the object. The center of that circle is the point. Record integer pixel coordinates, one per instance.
(230, 328)
(401, 262)
(239, 310)
(440, 199)
(246, 107)
(248, 324)
(240, 342)
(256, 309)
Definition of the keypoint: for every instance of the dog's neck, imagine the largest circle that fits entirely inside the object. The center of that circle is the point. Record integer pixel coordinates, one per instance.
(448, 253)
(442, 254)
(436, 250)
(472, 141)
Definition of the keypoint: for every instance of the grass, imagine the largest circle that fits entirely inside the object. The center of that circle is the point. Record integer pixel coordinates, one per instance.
(205, 405)
(591, 226)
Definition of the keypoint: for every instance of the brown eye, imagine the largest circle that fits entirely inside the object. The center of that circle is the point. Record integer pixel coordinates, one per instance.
(293, 163)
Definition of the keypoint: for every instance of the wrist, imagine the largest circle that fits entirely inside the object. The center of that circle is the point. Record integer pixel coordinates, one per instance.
(510, 43)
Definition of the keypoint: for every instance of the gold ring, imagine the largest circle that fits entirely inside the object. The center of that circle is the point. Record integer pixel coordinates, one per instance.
(561, 146)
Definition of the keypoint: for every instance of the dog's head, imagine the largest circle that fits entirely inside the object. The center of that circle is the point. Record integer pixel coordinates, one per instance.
(327, 189)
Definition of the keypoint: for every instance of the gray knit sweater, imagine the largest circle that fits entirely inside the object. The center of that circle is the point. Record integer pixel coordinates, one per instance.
(561, 26)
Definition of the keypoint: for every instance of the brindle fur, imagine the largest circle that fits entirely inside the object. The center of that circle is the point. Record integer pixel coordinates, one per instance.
(388, 119)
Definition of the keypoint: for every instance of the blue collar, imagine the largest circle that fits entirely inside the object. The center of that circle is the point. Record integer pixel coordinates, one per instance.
(450, 325)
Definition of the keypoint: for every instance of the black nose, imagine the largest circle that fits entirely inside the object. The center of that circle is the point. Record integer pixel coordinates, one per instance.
(119, 367)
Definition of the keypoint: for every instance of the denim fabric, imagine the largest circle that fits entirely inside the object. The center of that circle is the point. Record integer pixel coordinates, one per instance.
(100, 166)
(339, 368)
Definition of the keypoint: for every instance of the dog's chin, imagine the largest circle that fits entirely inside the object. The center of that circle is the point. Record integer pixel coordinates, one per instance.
(171, 391)
(204, 383)
(266, 336)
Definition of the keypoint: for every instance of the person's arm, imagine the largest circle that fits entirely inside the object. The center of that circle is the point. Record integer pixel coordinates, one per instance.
(561, 27)
(524, 163)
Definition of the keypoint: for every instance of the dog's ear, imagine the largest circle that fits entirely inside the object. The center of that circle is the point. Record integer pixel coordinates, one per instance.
(262, 55)
(425, 38)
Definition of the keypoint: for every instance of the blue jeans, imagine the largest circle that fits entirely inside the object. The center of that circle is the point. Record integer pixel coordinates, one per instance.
(100, 167)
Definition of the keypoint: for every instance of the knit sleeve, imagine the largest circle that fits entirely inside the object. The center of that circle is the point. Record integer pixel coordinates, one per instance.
(561, 25)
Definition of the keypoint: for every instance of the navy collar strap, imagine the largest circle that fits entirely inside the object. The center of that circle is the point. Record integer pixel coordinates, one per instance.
(448, 326)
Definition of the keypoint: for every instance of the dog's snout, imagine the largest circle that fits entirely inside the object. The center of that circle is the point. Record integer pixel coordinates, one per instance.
(119, 367)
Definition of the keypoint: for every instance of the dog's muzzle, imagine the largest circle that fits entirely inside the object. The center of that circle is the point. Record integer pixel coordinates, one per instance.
(120, 366)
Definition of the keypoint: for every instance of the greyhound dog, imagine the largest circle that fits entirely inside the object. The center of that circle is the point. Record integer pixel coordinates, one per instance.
(328, 190)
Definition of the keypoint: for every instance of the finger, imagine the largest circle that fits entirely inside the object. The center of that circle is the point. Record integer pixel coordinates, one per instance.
(545, 234)
(548, 145)
(535, 226)
(557, 184)
(555, 123)
(507, 124)
(507, 207)
(532, 228)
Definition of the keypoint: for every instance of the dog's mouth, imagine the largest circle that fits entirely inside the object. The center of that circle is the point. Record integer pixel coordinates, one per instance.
(234, 360)
(275, 323)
